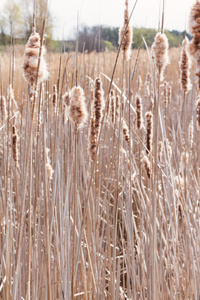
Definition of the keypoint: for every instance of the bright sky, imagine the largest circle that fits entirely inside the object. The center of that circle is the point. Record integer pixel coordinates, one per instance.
(110, 12)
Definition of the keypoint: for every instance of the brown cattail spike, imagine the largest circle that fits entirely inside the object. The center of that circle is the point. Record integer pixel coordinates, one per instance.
(125, 32)
(147, 165)
(194, 28)
(54, 95)
(77, 112)
(117, 107)
(185, 68)
(198, 112)
(4, 113)
(139, 111)
(15, 139)
(149, 128)
(93, 139)
(126, 133)
(98, 103)
(30, 60)
(160, 53)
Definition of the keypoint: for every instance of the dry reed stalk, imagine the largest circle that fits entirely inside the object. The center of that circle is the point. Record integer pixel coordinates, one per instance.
(4, 113)
(125, 35)
(112, 107)
(93, 139)
(15, 146)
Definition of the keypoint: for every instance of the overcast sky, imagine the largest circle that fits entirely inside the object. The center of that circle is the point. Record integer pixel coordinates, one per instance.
(110, 12)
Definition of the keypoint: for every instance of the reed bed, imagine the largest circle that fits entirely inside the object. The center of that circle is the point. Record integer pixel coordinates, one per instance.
(94, 204)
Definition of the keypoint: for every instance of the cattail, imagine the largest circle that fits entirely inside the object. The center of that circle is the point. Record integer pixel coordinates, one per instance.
(139, 111)
(194, 28)
(147, 165)
(66, 99)
(112, 107)
(185, 68)
(160, 53)
(4, 113)
(93, 139)
(165, 94)
(30, 60)
(198, 112)
(98, 103)
(191, 133)
(11, 97)
(117, 107)
(169, 93)
(15, 140)
(126, 133)
(125, 32)
(149, 128)
(77, 112)
(49, 168)
(54, 96)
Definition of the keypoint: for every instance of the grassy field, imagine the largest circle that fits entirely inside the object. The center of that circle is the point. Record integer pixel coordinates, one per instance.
(109, 210)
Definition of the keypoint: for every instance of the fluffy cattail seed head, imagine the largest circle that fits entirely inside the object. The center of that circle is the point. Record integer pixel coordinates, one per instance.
(165, 94)
(139, 111)
(77, 112)
(149, 128)
(126, 33)
(117, 107)
(30, 60)
(185, 68)
(160, 53)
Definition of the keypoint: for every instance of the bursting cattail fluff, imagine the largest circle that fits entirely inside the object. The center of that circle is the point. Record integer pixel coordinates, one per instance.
(147, 165)
(126, 133)
(77, 111)
(139, 111)
(160, 53)
(149, 129)
(125, 32)
(30, 60)
(185, 68)
(98, 103)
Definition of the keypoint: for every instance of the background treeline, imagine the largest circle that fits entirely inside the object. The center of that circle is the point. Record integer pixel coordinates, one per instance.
(16, 21)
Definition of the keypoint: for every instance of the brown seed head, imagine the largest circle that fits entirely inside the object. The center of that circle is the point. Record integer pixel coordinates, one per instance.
(98, 103)
(139, 111)
(127, 40)
(147, 166)
(185, 68)
(149, 128)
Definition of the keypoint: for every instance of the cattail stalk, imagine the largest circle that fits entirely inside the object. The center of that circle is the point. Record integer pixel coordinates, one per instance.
(98, 103)
(15, 139)
(185, 68)
(77, 111)
(126, 133)
(139, 120)
(147, 165)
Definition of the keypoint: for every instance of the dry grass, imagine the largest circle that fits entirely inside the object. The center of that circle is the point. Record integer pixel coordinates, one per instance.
(87, 232)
